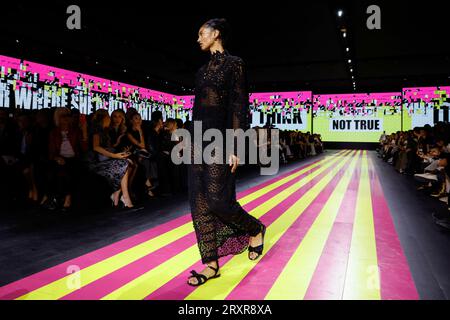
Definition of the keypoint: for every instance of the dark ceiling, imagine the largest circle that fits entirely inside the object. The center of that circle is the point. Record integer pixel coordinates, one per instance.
(287, 46)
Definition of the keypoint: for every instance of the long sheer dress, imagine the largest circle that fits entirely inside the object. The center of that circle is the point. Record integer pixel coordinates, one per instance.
(221, 225)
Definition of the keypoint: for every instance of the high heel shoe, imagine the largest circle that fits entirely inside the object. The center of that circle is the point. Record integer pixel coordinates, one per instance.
(150, 193)
(113, 204)
(124, 204)
(258, 249)
(201, 278)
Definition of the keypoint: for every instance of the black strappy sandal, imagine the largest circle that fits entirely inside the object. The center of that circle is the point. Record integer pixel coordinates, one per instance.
(201, 278)
(258, 249)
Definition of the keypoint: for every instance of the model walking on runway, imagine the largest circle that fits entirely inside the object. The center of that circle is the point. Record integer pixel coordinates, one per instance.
(221, 225)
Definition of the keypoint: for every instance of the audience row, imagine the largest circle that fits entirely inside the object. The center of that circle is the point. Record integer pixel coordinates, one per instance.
(48, 155)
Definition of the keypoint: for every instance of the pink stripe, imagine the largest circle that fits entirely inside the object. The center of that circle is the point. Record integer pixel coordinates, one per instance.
(284, 175)
(255, 203)
(261, 278)
(37, 280)
(177, 289)
(328, 280)
(395, 276)
(120, 277)
(114, 280)
(117, 279)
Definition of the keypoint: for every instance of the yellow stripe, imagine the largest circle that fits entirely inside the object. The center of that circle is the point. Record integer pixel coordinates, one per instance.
(60, 287)
(263, 191)
(362, 280)
(163, 273)
(239, 266)
(293, 281)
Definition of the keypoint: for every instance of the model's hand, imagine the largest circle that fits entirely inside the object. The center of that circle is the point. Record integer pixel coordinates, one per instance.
(233, 161)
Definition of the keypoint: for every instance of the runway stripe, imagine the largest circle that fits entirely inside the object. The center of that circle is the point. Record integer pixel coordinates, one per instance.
(130, 272)
(110, 282)
(38, 280)
(239, 266)
(152, 280)
(259, 281)
(395, 275)
(293, 281)
(60, 287)
(172, 290)
(362, 278)
(278, 187)
(328, 280)
(120, 277)
(264, 188)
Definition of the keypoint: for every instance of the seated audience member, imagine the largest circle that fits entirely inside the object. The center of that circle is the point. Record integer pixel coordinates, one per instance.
(170, 179)
(443, 219)
(154, 148)
(66, 143)
(141, 155)
(40, 143)
(23, 153)
(118, 131)
(9, 168)
(430, 168)
(107, 163)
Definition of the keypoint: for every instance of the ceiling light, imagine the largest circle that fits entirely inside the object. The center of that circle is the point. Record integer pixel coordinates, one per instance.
(349, 61)
(339, 13)
(347, 49)
(344, 34)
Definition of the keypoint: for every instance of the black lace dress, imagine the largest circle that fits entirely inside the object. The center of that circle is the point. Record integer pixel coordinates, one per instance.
(221, 225)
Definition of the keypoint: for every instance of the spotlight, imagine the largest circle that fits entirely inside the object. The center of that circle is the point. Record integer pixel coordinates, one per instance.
(349, 61)
(60, 52)
(344, 34)
(347, 49)
(148, 77)
(351, 70)
(17, 40)
(96, 62)
(124, 70)
(339, 13)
